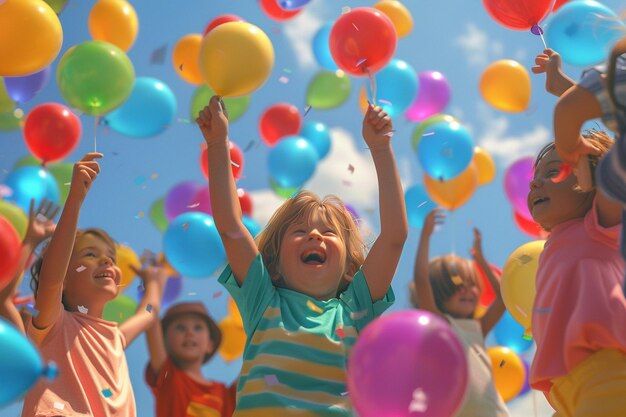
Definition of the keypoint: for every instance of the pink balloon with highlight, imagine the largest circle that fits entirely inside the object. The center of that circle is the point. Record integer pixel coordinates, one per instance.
(517, 185)
(433, 96)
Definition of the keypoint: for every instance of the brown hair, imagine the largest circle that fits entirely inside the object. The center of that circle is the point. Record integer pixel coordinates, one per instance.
(302, 205)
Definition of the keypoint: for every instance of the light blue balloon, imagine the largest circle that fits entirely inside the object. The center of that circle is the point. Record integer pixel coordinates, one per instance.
(292, 4)
(31, 182)
(396, 87)
(318, 135)
(445, 150)
(149, 110)
(418, 205)
(292, 161)
(192, 245)
(321, 48)
(583, 32)
(509, 332)
(253, 227)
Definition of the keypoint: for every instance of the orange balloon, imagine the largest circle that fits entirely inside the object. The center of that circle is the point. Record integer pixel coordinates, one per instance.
(363, 104)
(485, 165)
(505, 85)
(509, 373)
(233, 311)
(398, 14)
(453, 193)
(233, 339)
(114, 21)
(185, 58)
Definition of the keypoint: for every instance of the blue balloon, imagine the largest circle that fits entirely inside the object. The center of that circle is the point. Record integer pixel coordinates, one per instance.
(583, 32)
(31, 182)
(21, 89)
(445, 150)
(253, 227)
(509, 332)
(292, 4)
(318, 135)
(20, 364)
(418, 205)
(149, 110)
(192, 245)
(292, 161)
(396, 87)
(321, 48)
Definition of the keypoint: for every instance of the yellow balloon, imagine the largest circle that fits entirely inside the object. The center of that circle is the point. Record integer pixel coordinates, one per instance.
(185, 58)
(517, 285)
(233, 339)
(233, 311)
(236, 58)
(125, 258)
(479, 311)
(505, 85)
(453, 193)
(398, 14)
(509, 373)
(485, 165)
(30, 37)
(15, 216)
(114, 21)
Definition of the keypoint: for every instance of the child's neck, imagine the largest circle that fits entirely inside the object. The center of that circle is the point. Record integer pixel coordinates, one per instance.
(93, 309)
(192, 368)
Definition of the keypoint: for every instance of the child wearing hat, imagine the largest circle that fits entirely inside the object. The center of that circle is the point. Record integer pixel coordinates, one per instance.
(186, 339)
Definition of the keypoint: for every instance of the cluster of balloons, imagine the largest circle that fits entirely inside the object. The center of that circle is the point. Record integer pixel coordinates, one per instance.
(516, 179)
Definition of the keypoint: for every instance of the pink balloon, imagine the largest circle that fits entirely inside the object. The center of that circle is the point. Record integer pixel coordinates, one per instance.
(202, 200)
(432, 98)
(407, 361)
(517, 185)
(180, 199)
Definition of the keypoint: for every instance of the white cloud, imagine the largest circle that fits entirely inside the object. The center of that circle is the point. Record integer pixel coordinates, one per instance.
(300, 31)
(479, 49)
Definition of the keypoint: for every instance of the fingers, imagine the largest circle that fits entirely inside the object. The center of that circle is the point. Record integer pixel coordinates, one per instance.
(91, 156)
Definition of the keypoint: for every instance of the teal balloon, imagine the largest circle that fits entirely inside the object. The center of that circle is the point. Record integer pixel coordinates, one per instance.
(292, 161)
(418, 205)
(445, 150)
(321, 48)
(149, 110)
(30, 182)
(508, 332)
(252, 226)
(396, 87)
(318, 135)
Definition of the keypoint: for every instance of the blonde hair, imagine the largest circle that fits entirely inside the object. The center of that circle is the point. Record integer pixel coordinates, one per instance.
(301, 206)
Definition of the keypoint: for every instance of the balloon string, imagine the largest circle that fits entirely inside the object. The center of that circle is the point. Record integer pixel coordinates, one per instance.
(545, 46)
(95, 131)
(534, 402)
(372, 79)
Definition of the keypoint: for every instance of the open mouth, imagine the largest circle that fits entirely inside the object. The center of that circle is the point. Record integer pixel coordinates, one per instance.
(539, 200)
(189, 343)
(106, 275)
(313, 257)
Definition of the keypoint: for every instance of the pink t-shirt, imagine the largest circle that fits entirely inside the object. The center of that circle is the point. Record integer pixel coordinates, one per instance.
(93, 374)
(579, 306)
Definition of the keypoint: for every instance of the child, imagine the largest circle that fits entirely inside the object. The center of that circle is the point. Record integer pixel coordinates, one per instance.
(72, 281)
(448, 286)
(307, 289)
(579, 310)
(175, 370)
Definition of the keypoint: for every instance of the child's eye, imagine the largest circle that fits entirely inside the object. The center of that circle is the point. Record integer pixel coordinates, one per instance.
(330, 232)
(90, 254)
(297, 231)
(197, 327)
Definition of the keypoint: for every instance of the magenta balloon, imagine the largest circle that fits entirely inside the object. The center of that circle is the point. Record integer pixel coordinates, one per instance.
(517, 184)
(180, 199)
(203, 201)
(407, 361)
(432, 98)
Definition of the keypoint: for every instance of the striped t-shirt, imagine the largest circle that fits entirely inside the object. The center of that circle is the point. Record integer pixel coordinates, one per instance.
(294, 362)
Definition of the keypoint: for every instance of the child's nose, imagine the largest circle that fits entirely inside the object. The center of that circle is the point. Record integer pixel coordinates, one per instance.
(315, 234)
(535, 183)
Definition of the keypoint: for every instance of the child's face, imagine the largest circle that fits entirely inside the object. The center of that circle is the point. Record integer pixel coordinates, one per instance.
(552, 203)
(188, 339)
(463, 302)
(313, 257)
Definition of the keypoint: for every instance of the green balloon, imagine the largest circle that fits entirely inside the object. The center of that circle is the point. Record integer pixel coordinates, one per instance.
(15, 216)
(56, 5)
(283, 192)
(119, 309)
(236, 106)
(8, 121)
(95, 77)
(420, 129)
(328, 90)
(6, 104)
(157, 214)
(27, 161)
(62, 173)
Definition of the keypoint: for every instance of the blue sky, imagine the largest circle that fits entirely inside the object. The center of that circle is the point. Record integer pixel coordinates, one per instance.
(455, 37)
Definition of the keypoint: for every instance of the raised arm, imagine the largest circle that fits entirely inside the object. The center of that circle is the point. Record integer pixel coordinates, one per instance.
(238, 242)
(549, 62)
(497, 307)
(382, 259)
(421, 282)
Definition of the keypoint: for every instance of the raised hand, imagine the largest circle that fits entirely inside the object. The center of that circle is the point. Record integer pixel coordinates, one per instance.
(85, 172)
(377, 127)
(434, 218)
(213, 120)
(41, 223)
(477, 248)
(549, 62)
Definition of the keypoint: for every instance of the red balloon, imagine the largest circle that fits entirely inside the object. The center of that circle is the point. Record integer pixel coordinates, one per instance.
(236, 158)
(273, 10)
(362, 41)
(529, 226)
(278, 121)
(558, 4)
(10, 248)
(518, 14)
(245, 201)
(51, 131)
(488, 295)
(225, 18)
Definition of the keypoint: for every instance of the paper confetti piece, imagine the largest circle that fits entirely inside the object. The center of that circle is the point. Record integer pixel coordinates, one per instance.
(340, 333)
(564, 171)
(545, 310)
(357, 315)
(457, 280)
(283, 79)
(149, 308)
(359, 62)
(30, 309)
(390, 133)
(41, 218)
(139, 215)
(271, 379)
(351, 168)
(380, 100)
(307, 109)
(521, 311)
(419, 402)
(58, 406)
(194, 205)
(287, 70)
(5, 191)
(347, 183)
(217, 294)
(502, 363)
(234, 164)
(180, 67)
(249, 146)
(81, 268)
(158, 55)
(343, 394)
(139, 180)
(527, 337)
(192, 293)
(154, 176)
(524, 259)
(422, 203)
(428, 134)
(83, 309)
(357, 29)
(312, 306)
(107, 393)
(235, 235)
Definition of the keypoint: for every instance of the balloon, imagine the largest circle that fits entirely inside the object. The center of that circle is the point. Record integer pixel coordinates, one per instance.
(518, 282)
(283, 192)
(252, 226)
(95, 77)
(353, 213)
(292, 161)
(404, 361)
(202, 201)
(487, 295)
(225, 56)
(11, 248)
(509, 333)
(279, 120)
(508, 371)
(173, 287)
(236, 106)
(516, 185)
(225, 18)
(27, 161)
(16, 216)
(62, 174)
(149, 110)
(420, 129)
(362, 41)
(236, 160)
(432, 97)
(321, 49)
(485, 165)
(318, 135)
(119, 309)
(179, 199)
(518, 14)
(30, 37)
(328, 89)
(529, 226)
(31, 183)
(396, 87)
(9, 121)
(125, 258)
(114, 21)
(233, 311)
(446, 151)
(399, 15)
(453, 193)
(418, 205)
(57, 5)
(21, 89)
(233, 339)
(273, 10)
(6, 104)
(51, 131)
(526, 387)
(292, 4)
(505, 85)
(157, 215)
(583, 32)
(185, 58)
(192, 245)
(245, 201)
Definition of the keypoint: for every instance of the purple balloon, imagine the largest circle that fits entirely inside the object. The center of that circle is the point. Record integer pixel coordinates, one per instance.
(407, 363)
(526, 387)
(432, 98)
(21, 89)
(353, 213)
(517, 184)
(203, 200)
(180, 199)
(173, 287)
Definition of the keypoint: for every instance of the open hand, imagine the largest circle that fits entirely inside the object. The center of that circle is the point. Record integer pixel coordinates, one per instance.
(434, 218)
(213, 120)
(477, 248)
(41, 223)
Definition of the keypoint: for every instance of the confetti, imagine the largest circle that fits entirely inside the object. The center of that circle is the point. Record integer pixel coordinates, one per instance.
(311, 305)
(457, 280)
(422, 203)
(5, 191)
(234, 164)
(428, 134)
(180, 67)
(81, 268)
(524, 259)
(380, 100)
(83, 309)
(194, 205)
(351, 168)
(357, 315)
(235, 235)
(41, 218)
(182, 120)
(340, 333)
(545, 310)
(502, 363)
(249, 146)
(360, 62)
(521, 311)
(390, 133)
(564, 171)
(307, 109)
(30, 309)
(287, 70)
(419, 402)
(217, 294)
(357, 29)
(527, 337)
(154, 176)
(149, 308)
(192, 293)
(185, 226)
(107, 393)
(139, 215)
(271, 379)
(58, 406)
(283, 79)
(158, 55)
